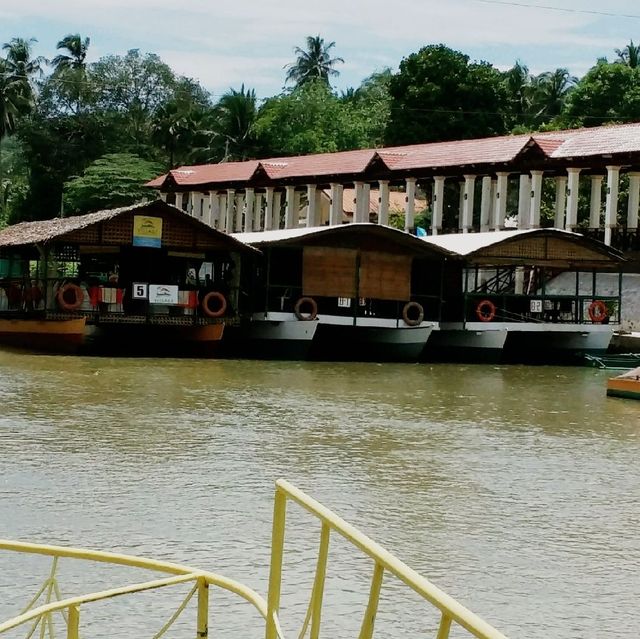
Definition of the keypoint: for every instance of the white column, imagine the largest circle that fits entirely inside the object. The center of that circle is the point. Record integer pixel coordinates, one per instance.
(178, 203)
(485, 204)
(492, 215)
(248, 213)
(468, 202)
(536, 199)
(268, 209)
(311, 205)
(214, 209)
(191, 206)
(383, 202)
(239, 211)
(460, 205)
(290, 205)
(524, 202)
(335, 208)
(366, 202)
(437, 205)
(596, 202)
(409, 203)
(611, 206)
(231, 201)
(296, 209)
(573, 190)
(163, 196)
(634, 200)
(500, 211)
(561, 199)
(357, 202)
(277, 209)
(257, 212)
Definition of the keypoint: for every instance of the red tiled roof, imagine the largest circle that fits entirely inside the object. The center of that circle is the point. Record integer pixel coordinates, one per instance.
(603, 140)
(319, 164)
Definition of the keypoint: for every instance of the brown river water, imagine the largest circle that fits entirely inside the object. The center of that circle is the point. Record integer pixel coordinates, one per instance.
(515, 489)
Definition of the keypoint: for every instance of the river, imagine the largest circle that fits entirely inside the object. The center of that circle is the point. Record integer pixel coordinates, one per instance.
(515, 489)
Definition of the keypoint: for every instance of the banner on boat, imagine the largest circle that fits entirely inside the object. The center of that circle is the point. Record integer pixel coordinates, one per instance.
(147, 231)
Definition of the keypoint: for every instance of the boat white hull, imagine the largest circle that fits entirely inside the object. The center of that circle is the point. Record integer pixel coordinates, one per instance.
(452, 343)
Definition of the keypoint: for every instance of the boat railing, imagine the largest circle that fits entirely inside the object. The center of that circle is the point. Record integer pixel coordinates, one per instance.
(48, 606)
(451, 611)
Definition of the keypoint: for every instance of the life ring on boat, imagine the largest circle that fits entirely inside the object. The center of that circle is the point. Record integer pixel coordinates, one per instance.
(67, 291)
(486, 310)
(220, 307)
(597, 311)
(311, 304)
(410, 319)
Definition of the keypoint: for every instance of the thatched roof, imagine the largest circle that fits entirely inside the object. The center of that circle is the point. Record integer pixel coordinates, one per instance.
(46, 231)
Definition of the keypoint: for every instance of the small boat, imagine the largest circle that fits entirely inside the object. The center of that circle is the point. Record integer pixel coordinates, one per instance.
(615, 362)
(626, 385)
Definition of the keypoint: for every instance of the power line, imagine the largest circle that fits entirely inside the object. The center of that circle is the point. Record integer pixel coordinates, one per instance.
(608, 14)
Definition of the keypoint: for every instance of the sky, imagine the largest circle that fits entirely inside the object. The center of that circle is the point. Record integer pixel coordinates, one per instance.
(224, 44)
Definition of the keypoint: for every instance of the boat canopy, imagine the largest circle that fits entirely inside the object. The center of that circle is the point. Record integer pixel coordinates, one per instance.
(551, 247)
(356, 235)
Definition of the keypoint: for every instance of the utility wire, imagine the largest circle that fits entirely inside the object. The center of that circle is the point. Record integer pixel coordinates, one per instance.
(608, 14)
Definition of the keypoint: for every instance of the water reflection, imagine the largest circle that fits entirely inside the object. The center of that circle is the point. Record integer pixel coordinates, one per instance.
(514, 488)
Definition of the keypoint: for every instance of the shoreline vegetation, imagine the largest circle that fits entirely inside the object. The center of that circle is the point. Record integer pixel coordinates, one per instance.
(78, 136)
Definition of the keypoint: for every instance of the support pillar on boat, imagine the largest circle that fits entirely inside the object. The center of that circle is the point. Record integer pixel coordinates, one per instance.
(248, 213)
(524, 202)
(231, 201)
(502, 186)
(335, 208)
(485, 204)
(438, 204)
(409, 203)
(595, 211)
(561, 199)
(634, 200)
(536, 199)
(611, 206)
(383, 202)
(468, 202)
(573, 189)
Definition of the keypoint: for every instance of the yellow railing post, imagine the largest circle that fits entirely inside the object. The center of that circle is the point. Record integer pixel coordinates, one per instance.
(275, 569)
(445, 627)
(366, 632)
(203, 608)
(73, 622)
(318, 584)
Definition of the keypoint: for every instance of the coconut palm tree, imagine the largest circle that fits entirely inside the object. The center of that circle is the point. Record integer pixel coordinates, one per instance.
(76, 55)
(630, 55)
(550, 91)
(19, 61)
(236, 115)
(518, 82)
(313, 63)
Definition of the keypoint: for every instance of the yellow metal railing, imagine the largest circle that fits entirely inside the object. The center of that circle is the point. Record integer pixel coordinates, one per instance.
(450, 610)
(41, 615)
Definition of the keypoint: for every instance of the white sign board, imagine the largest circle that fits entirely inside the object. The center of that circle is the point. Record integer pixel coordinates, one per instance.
(535, 306)
(163, 294)
(344, 302)
(140, 291)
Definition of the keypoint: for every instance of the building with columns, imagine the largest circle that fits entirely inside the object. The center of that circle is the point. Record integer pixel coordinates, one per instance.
(586, 180)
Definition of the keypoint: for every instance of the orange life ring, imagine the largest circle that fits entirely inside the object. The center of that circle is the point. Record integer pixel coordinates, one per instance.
(412, 321)
(306, 301)
(221, 304)
(597, 311)
(63, 294)
(486, 310)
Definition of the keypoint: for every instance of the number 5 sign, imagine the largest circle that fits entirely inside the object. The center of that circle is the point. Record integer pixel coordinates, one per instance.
(140, 291)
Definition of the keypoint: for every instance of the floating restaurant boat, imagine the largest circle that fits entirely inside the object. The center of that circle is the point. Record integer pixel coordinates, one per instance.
(497, 303)
(626, 385)
(144, 279)
(51, 614)
(367, 292)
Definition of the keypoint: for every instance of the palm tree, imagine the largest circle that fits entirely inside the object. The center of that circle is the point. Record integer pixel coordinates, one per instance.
(550, 92)
(237, 111)
(19, 62)
(518, 82)
(76, 55)
(630, 55)
(313, 63)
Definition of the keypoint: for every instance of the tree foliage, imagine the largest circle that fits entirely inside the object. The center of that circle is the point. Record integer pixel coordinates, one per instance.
(439, 94)
(313, 63)
(115, 179)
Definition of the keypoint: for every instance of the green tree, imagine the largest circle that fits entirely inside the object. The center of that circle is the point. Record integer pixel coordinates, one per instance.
(438, 94)
(313, 63)
(550, 92)
(72, 87)
(518, 85)
(236, 114)
(630, 55)
(76, 53)
(309, 119)
(113, 180)
(22, 66)
(609, 92)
